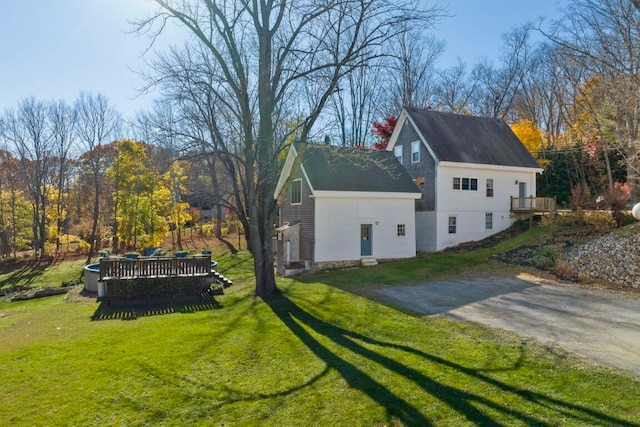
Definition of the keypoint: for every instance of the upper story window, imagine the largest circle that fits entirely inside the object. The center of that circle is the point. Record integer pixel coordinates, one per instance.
(489, 187)
(397, 151)
(465, 184)
(456, 183)
(415, 151)
(296, 192)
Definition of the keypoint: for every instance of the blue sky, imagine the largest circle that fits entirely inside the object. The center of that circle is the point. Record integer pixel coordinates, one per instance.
(53, 49)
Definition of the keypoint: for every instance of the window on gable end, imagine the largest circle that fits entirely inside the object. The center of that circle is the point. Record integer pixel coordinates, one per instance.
(397, 151)
(415, 151)
(296, 192)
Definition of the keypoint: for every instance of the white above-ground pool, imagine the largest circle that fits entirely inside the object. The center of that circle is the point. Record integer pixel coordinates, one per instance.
(91, 276)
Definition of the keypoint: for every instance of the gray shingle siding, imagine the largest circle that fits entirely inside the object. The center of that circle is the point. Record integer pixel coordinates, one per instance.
(303, 213)
(425, 168)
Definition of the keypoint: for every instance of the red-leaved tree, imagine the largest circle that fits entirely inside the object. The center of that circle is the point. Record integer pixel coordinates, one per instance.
(383, 131)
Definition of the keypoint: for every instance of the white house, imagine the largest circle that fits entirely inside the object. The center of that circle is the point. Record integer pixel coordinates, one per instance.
(470, 171)
(342, 205)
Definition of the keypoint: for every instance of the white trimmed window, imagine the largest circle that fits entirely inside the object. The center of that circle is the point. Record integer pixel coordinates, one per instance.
(415, 151)
(488, 221)
(465, 184)
(397, 151)
(489, 187)
(453, 225)
(401, 230)
(296, 192)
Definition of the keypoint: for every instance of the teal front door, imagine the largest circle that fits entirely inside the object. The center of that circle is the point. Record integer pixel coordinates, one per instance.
(365, 240)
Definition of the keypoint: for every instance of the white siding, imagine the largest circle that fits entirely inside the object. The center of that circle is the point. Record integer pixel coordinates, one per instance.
(470, 206)
(337, 228)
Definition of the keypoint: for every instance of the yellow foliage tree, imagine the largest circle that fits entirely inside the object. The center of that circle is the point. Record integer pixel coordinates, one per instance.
(530, 135)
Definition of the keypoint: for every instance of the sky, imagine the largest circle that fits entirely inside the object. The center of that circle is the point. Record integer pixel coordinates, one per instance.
(54, 49)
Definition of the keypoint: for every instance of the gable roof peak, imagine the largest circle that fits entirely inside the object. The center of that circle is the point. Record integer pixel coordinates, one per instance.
(470, 139)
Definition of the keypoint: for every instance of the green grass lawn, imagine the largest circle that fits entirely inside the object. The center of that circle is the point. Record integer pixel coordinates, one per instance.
(314, 354)
(35, 274)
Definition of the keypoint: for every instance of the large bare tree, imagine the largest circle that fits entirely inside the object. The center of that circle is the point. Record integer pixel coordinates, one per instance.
(28, 130)
(455, 89)
(63, 121)
(273, 59)
(498, 85)
(411, 76)
(98, 123)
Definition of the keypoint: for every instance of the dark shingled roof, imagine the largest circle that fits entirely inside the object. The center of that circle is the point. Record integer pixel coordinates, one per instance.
(350, 169)
(469, 139)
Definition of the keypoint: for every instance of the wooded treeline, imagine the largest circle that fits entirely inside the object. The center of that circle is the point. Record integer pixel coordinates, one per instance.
(69, 181)
(255, 77)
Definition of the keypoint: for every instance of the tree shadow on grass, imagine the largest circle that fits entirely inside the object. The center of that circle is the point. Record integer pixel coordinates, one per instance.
(464, 402)
(229, 245)
(110, 312)
(26, 274)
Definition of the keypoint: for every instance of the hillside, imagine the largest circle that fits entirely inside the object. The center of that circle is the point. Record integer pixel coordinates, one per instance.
(591, 253)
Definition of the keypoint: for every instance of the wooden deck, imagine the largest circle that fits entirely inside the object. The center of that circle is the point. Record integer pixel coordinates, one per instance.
(533, 204)
(154, 267)
(158, 280)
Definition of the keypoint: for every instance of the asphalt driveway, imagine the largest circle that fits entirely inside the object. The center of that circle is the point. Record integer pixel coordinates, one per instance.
(599, 324)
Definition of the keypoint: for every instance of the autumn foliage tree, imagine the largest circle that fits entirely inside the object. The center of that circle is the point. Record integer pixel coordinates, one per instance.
(383, 131)
(143, 201)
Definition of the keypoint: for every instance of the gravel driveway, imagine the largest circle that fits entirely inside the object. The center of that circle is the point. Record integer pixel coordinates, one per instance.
(599, 324)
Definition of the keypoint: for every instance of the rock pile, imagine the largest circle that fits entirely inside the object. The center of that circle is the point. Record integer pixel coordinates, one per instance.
(614, 258)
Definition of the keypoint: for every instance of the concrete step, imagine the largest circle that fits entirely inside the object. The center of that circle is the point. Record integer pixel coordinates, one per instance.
(369, 262)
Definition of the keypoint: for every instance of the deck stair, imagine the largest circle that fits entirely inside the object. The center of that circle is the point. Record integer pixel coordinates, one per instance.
(225, 282)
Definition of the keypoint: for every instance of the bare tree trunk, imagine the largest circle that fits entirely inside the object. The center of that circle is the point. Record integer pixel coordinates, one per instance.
(263, 262)
(94, 220)
(218, 217)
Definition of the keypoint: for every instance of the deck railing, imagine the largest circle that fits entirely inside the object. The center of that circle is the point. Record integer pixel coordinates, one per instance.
(124, 268)
(533, 204)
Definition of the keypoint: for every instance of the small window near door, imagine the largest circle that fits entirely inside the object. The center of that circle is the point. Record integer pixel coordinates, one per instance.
(296, 192)
(415, 151)
(397, 151)
(488, 221)
(401, 230)
(453, 224)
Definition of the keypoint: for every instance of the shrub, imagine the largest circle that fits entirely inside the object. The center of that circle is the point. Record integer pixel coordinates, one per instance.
(617, 198)
(546, 259)
(580, 196)
(564, 270)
